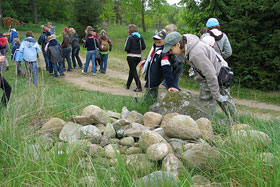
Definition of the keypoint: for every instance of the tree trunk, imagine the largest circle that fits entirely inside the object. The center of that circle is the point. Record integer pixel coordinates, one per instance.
(1, 13)
(35, 11)
(143, 15)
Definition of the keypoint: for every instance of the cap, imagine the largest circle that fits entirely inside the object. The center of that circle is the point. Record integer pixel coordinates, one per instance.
(170, 40)
(210, 40)
(212, 22)
(66, 29)
(160, 34)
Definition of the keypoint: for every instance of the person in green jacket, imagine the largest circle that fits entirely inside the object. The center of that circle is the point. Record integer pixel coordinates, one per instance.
(105, 47)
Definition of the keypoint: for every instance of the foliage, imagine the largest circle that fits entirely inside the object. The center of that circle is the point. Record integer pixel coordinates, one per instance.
(253, 30)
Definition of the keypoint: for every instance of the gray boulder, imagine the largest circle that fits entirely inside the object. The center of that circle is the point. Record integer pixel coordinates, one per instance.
(181, 102)
(82, 120)
(152, 119)
(91, 133)
(135, 117)
(149, 138)
(158, 151)
(70, 132)
(109, 131)
(53, 126)
(158, 179)
(206, 128)
(97, 114)
(172, 164)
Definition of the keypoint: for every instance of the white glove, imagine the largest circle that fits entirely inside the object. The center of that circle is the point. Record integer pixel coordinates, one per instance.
(223, 98)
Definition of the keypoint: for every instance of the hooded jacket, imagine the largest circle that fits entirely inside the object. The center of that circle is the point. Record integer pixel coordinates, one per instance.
(74, 41)
(223, 46)
(203, 58)
(132, 44)
(13, 35)
(29, 48)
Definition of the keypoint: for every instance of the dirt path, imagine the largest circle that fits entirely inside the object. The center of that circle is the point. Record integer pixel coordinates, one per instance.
(113, 82)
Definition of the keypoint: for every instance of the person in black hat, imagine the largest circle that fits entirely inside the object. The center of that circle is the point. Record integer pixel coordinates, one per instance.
(157, 68)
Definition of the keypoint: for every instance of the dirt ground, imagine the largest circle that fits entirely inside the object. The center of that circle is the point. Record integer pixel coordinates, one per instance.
(115, 78)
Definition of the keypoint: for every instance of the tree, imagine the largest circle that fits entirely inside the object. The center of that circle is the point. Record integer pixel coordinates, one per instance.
(35, 11)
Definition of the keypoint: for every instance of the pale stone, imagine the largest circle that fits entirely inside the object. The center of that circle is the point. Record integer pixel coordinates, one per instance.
(205, 128)
(152, 119)
(53, 126)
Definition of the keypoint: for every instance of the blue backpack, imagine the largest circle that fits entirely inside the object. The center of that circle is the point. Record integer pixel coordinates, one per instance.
(18, 56)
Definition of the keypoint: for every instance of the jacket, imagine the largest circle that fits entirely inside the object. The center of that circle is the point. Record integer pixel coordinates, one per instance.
(203, 58)
(66, 41)
(13, 35)
(3, 42)
(90, 43)
(74, 41)
(158, 68)
(132, 44)
(15, 47)
(43, 40)
(30, 48)
(223, 46)
(52, 42)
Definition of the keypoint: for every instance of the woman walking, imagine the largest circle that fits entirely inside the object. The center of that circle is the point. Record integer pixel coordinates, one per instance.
(74, 41)
(134, 46)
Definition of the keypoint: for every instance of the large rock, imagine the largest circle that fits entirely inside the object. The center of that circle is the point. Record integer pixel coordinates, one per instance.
(92, 133)
(206, 128)
(82, 120)
(138, 163)
(133, 150)
(172, 164)
(127, 141)
(201, 156)
(182, 127)
(181, 102)
(158, 151)
(158, 179)
(149, 138)
(109, 131)
(70, 132)
(113, 114)
(135, 117)
(111, 151)
(166, 118)
(97, 114)
(46, 142)
(252, 138)
(53, 126)
(95, 150)
(152, 119)
(136, 130)
(125, 112)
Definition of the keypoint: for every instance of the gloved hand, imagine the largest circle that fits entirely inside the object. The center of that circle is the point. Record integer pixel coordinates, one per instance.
(223, 98)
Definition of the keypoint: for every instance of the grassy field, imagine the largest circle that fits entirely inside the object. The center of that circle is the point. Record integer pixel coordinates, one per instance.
(56, 98)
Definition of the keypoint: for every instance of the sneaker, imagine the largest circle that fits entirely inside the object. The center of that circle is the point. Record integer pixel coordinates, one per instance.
(103, 72)
(62, 75)
(94, 74)
(127, 87)
(137, 90)
(84, 72)
(69, 70)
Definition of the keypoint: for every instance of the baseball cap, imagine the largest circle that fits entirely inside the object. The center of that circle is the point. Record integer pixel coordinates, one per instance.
(170, 40)
(160, 34)
(212, 22)
(66, 29)
(210, 40)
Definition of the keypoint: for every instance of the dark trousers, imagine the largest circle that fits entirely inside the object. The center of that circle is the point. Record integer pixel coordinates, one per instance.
(66, 54)
(7, 90)
(132, 63)
(75, 54)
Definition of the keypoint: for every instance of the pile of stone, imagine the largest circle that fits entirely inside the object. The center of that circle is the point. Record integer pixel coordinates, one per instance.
(169, 141)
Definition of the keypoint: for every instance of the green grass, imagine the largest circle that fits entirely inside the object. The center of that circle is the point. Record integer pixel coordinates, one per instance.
(56, 98)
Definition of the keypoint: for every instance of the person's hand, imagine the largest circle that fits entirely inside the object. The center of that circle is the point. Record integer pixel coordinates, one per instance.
(142, 62)
(223, 98)
(172, 89)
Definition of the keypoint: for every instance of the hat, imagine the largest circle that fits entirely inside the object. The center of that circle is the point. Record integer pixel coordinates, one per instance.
(66, 29)
(212, 22)
(160, 34)
(210, 40)
(170, 40)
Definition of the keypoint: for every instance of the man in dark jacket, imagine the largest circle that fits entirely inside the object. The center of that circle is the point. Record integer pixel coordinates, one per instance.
(43, 41)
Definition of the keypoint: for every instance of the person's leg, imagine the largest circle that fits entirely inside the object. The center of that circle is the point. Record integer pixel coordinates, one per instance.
(7, 90)
(61, 69)
(73, 58)
(78, 58)
(228, 106)
(46, 57)
(93, 64)
(50, 67)
(105, 60)
(130, 75)
(28, 70)
(101, 63)
(205, 97)
(34, 72)
(21, 69)
(88, 57)
(151, 94)
(55, 69)
(135, 74)
(177, 75)
(68, 51)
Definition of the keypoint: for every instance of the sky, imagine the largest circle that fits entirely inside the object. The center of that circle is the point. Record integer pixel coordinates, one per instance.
(171, 2)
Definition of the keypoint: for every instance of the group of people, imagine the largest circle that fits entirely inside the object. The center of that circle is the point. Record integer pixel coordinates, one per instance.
(205, 55)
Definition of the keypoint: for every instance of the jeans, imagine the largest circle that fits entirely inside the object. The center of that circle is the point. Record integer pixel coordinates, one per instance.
(20, 70)
(66, 54)
(31, 67)
(176, 76)
(46, 57)
(75, 54)
(103, 64)
(4, 85)
(58, 67)
(132, 63)
(90, 56)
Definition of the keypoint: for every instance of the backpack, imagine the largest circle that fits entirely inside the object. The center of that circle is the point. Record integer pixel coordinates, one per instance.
(225, 77)
(56, 54)
(104, 46)
(18, 56)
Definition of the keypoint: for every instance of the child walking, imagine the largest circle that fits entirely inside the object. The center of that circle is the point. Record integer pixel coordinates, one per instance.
(17, 57)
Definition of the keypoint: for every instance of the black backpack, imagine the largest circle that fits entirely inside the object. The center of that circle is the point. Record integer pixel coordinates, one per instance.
(56, 53)
(225, 77)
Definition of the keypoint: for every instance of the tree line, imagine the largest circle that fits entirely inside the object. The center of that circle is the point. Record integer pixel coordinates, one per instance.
(253, 26)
